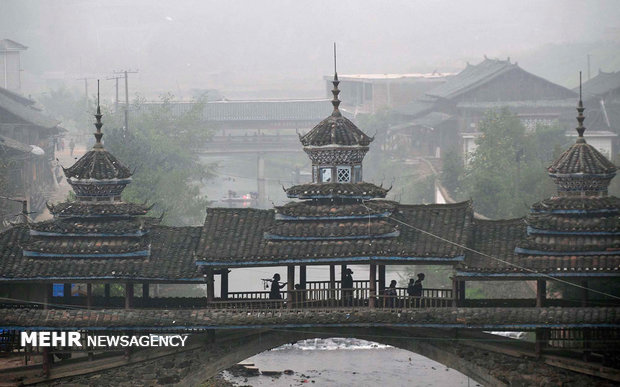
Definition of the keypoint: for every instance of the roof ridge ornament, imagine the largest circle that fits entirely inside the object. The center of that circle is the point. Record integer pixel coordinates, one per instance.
(335, 90)
(580, 117)
(98, 124)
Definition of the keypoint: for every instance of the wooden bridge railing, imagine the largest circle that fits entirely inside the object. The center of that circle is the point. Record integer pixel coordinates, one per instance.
(320, 297)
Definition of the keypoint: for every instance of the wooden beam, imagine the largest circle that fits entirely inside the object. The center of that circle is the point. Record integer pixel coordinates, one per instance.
(210, 285)
(343, 269)
(290, 285)
(89, 295)
(541, 292)
(224, 284)
(381, 279)
(302, 276)
(461, 293)
(332, 280)
(128, 295)
(373, 285)
(455, 290)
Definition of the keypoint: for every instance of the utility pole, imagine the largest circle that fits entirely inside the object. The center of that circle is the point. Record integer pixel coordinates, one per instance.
(85, 79)
(116, 100)
(125, 72)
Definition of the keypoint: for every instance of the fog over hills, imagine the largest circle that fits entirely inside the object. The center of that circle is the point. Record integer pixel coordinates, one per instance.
(282, 48)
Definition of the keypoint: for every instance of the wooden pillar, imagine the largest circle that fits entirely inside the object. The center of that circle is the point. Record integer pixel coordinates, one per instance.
(541, 340)
(66, 294)
(585, 297)
(373, 285)
(343, 269)
(210, 285)
(290, 285)
(224, 284)
(461, 293)
(89, 295)
(106, 294)
(302, 276)
(47, 295)
(455, 290)
(541, 292)
(381, 279)
(46, 362)
(128, 295)
(145, 293)
(332, 281)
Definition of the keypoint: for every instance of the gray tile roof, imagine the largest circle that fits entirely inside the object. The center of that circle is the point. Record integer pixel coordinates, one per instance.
(25, 109)
(601, 84)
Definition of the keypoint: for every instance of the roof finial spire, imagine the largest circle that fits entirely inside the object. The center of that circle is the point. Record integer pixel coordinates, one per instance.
(335, 91)
(580, 116)
(98, 124)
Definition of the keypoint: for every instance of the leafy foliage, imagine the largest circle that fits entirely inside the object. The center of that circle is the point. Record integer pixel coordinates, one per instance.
(507, 171)
(160, 146)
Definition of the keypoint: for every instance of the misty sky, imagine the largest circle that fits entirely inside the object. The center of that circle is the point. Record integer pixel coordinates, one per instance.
(276, 44)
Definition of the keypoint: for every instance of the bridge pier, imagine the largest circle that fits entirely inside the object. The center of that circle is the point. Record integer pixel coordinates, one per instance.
(260, 179)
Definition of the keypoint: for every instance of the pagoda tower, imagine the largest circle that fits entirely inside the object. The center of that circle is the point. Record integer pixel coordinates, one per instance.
(338, 200)
(580, 222)
(98, 224)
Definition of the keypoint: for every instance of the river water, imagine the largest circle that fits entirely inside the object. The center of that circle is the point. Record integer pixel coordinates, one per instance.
(348, 362)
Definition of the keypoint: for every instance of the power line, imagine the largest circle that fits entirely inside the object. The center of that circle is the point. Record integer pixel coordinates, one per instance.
(502, 260)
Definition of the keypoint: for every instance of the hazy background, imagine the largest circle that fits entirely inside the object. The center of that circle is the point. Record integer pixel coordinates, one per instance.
(281, 48)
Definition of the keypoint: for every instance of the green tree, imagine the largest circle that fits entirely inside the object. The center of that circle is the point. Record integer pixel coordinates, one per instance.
(161, 145)
(452, 171)
(507, 172)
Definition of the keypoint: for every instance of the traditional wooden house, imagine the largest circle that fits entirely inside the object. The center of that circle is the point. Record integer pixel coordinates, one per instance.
(491, 84)
(27, 143)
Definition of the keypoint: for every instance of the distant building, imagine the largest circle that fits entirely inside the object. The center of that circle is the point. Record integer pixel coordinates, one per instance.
(10, 64)
(27, 144)
(463, 99)
(368, 93)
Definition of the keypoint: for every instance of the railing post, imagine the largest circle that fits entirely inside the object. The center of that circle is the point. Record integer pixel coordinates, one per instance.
(461, 299)
(290, 285)
(541, 292)
(373, 285)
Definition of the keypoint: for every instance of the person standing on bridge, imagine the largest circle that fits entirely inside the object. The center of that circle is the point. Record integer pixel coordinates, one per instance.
(347, 287)
(390, 295)
(274, 293)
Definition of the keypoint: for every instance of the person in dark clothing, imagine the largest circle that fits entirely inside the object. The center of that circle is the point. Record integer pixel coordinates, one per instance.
(410, 287)
(274, 293)
(390, 295)
(347, 287)
(417, 286)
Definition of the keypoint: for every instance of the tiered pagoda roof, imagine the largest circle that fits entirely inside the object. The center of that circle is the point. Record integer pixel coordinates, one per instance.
(575, 232)
(98, 224)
